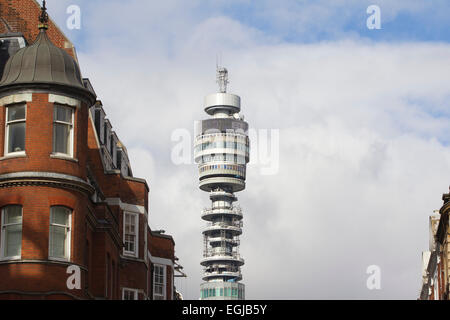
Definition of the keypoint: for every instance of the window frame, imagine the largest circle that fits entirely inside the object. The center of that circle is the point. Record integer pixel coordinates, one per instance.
(72, 130)
(3, 233)
(68, 244)
(134, 291)
(7, 123)
(164, 284)
(135, 216)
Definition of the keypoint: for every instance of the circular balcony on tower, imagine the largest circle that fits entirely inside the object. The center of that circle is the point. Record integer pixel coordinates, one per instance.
(210, 214)
(235, 228)
(208, 276)
(217, 102)
(222, 194)
(222, 169)
(210, 258)
(222, 175)
(210, 183)
(219, 240)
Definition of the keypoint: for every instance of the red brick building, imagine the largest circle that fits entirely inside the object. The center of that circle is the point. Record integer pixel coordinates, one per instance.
(73, 219)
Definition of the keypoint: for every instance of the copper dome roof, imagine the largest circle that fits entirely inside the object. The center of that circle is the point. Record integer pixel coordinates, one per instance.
(43, 64)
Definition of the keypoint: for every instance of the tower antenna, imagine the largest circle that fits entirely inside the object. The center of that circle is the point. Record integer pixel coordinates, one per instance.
(222, 78)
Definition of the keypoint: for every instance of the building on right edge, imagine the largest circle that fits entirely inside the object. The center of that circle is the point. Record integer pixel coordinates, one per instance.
(435, 266)
(222, 152)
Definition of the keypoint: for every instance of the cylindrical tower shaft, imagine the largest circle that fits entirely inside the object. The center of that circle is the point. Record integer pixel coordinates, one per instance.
(222, 152)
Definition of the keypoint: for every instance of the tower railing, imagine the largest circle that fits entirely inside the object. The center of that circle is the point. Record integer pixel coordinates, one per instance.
(232, 210)
(225, 224)
(216, 269)
(221, 253)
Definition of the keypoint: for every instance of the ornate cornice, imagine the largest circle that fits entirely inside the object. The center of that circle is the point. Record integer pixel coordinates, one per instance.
(50, 179)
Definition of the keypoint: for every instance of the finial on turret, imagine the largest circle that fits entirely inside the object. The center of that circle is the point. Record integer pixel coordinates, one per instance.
(43, 17)
(222, 79)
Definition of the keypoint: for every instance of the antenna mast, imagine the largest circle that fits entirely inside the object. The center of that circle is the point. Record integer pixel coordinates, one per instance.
(222, 79)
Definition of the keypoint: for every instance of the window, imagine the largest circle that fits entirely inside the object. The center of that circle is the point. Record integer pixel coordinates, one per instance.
(59, 243)
(11, 244)
(130, 234)
(15, 129)
(159, 282)
(240, 294)
(129, 294)
(63, 130)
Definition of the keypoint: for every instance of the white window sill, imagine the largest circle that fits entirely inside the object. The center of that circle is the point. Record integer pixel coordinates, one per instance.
(63, 156)
(15, 258)
(130, 254)
(59, 259)
(12, 155)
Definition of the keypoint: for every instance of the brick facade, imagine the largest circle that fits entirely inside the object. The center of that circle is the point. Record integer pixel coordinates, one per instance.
(95, 184)
(22, 16)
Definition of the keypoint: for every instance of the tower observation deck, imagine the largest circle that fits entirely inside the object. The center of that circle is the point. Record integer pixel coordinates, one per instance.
(222, 152)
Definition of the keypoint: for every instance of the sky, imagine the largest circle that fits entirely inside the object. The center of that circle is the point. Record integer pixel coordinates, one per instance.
(356, 122)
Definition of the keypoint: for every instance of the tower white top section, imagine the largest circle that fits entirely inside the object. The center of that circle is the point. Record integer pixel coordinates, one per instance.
(222, 104)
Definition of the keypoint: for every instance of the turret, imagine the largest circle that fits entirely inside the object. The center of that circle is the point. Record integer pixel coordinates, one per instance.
(44, 191)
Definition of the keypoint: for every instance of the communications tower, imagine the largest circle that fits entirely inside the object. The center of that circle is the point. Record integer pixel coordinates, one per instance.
(222, 152)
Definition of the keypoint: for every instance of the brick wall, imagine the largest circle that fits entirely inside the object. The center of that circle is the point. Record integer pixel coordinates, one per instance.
(22, 16)
(39, 141)
(161, 246)
(35, 272)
